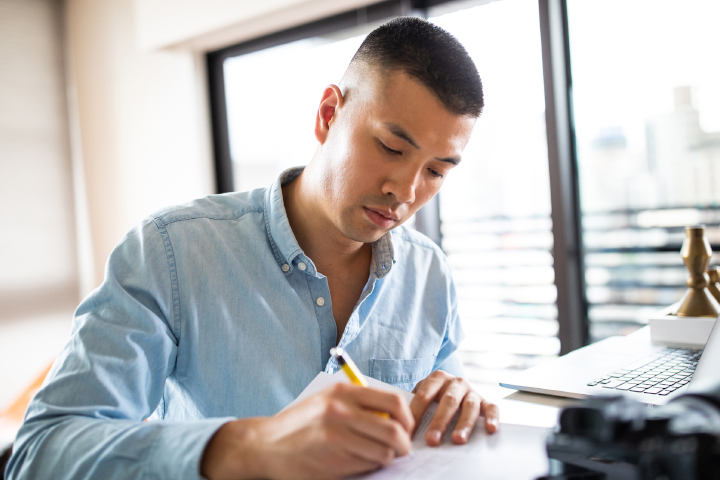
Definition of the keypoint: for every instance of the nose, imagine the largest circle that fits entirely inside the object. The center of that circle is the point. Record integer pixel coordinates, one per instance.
(402, 183)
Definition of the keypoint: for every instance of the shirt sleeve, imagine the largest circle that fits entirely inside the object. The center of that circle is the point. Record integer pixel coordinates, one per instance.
(86, 422)
(447, 359)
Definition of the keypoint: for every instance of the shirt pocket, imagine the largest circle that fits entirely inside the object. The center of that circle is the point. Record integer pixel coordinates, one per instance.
(401, 373)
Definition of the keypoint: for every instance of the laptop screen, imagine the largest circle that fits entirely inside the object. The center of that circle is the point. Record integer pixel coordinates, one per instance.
(707, 372)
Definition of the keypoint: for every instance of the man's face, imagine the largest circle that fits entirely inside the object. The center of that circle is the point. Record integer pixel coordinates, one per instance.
(389, 147)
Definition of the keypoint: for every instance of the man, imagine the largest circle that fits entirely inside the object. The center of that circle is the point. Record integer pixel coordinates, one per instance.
(215, 315)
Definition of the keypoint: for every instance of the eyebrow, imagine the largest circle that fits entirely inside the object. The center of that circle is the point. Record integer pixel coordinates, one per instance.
(400, 132)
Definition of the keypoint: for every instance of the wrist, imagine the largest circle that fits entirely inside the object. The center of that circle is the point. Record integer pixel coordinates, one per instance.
(232, 453)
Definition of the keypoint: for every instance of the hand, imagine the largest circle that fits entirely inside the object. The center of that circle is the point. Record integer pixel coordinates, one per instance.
(332, 434)
(452, 393)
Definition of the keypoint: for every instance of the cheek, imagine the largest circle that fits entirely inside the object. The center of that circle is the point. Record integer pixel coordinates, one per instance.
(358, 164)
(425, 192)
(338, 181)
(352, 169)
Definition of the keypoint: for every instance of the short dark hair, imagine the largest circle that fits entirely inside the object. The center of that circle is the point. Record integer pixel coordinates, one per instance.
(429, 54)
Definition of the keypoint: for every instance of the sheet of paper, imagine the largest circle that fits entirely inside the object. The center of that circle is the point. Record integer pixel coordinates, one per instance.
(515, 452)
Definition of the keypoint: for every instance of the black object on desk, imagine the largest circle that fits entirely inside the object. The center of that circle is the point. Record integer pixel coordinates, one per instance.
(616, 438)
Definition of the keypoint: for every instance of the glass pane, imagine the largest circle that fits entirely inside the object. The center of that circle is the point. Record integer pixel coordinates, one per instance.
(647, 114)
(495, 207)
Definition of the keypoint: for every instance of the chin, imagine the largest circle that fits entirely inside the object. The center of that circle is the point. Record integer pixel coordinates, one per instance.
(365, 235)
(355, 226)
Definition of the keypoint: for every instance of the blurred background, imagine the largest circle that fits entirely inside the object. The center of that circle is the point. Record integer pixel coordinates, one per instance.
(110, 110)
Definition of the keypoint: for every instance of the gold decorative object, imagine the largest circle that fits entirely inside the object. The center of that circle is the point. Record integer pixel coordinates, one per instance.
(696, 253)
(714, 274)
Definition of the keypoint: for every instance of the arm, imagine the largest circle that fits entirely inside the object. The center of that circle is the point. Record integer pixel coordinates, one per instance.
(86, 422)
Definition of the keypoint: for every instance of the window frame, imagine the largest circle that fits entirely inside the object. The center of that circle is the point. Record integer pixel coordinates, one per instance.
(572, 305)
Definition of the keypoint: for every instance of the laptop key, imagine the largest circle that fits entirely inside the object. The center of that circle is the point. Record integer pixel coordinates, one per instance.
(638, 389)
(612, 383)
(642, 362)
(625, 386)
(653, 390)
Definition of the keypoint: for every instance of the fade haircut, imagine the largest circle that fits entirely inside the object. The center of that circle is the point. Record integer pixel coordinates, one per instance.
(429, 54)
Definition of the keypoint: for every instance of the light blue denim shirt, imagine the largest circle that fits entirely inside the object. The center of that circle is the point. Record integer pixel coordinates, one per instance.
(210, 311)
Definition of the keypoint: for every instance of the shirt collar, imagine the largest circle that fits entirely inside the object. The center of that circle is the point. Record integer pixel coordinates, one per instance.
(283, 242)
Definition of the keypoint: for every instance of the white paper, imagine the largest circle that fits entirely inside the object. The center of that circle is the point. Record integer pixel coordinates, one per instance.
(515, 452)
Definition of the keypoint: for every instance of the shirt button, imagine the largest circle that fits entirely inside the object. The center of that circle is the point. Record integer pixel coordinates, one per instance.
(285, 267)
(320, 301)
(302, 266)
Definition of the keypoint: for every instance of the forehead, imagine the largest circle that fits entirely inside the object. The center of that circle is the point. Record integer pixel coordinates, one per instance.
(399, 99)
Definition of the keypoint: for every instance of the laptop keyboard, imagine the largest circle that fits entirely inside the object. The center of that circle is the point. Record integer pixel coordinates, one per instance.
(660, 374)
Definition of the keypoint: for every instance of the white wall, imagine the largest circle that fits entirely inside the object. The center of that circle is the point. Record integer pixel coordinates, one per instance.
(142, 117)
(38, 265)
(204, 25)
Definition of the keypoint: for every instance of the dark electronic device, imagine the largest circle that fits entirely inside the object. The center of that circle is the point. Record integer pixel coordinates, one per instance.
(615, 438)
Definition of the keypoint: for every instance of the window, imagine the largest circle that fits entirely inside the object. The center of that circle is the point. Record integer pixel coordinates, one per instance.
(647, 119)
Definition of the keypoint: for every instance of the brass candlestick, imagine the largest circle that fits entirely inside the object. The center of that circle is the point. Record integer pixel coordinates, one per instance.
(714, 274)
(696, 253)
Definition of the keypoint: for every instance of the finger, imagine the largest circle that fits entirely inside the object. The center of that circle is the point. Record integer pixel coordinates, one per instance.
(381, 401)
(449, 404)
(426, 391)
(491, 412)
(469, 413)
(373, 453)
(386, 432)
(345, 464)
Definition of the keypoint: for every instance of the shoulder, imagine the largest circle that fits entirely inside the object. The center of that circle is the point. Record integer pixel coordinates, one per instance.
(226, 206)
(411, 245)
(407, 237)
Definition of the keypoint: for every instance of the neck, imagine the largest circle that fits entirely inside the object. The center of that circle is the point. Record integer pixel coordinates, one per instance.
(317, 236)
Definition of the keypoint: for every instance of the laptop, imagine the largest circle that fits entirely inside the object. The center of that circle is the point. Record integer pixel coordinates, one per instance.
(630, 366)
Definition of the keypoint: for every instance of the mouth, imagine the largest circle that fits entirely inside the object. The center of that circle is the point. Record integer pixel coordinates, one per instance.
(381, 218)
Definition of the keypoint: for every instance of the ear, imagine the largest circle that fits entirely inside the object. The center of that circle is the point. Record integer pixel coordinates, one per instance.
(331, 101)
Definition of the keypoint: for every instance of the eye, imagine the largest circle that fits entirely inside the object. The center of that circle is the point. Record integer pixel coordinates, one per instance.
(388, 149)
(435, 173)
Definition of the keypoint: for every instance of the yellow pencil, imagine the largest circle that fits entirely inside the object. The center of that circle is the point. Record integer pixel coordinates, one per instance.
(351, 370)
